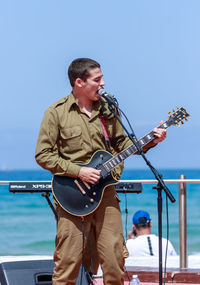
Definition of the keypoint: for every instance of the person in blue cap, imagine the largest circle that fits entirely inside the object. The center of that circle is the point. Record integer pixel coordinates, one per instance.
(141, 242)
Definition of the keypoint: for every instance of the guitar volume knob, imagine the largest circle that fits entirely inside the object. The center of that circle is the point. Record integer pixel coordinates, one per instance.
(91, 200)
(94, 193)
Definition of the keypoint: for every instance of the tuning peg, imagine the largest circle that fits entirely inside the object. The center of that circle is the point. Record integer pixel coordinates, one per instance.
(169, 113)
(186, 119)
(173, 110)
(182, 122)
(177, 107)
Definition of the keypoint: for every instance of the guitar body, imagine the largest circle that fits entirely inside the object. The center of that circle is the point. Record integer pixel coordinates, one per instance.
(79, 200)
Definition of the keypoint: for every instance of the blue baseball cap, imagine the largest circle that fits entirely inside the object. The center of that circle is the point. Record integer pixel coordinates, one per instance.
(141, 218)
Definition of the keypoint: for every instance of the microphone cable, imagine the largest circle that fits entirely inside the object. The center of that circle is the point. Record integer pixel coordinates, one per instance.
(133, 133)
(126, 230)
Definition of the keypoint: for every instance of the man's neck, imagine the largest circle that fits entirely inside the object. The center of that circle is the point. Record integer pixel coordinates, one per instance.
(143, 232)
(84, 103)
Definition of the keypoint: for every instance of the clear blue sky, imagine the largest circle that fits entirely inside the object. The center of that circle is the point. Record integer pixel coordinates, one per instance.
(150, 56)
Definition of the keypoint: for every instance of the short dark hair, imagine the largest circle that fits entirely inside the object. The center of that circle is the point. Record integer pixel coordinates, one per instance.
(79, 68)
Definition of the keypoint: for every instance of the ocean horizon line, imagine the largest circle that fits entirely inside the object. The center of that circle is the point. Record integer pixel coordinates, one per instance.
(125, 169)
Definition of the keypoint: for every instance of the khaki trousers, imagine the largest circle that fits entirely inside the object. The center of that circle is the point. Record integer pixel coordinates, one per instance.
(106, 226)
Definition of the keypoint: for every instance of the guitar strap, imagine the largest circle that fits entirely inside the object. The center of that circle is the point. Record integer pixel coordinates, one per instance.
(105, 132)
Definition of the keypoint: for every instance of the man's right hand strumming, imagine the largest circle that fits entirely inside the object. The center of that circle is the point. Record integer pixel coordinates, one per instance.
(89, 174)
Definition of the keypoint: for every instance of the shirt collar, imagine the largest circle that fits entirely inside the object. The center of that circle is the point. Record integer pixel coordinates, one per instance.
(96, 105)
(71, 101)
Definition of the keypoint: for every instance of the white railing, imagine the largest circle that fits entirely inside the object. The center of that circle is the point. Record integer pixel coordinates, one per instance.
(182, 181)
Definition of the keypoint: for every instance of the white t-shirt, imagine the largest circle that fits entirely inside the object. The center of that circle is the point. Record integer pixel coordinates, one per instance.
(140, 246)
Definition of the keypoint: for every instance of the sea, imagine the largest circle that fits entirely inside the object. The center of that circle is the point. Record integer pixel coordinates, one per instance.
(28, 226)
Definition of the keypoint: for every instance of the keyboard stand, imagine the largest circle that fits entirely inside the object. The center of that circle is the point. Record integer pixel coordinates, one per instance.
(47, 195)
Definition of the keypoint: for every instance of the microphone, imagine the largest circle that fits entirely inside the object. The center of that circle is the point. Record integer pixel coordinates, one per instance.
(109, 98)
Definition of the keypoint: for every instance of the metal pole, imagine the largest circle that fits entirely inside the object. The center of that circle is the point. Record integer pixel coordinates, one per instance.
(159, 203)
(182, 223)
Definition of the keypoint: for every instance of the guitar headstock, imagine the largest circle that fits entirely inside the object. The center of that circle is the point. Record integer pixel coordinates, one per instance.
(177, 117)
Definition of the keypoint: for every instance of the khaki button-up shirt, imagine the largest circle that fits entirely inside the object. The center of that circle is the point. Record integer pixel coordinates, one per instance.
(68, 137)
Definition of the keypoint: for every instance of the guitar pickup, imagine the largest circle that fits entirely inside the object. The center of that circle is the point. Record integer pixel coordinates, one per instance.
(87, 185)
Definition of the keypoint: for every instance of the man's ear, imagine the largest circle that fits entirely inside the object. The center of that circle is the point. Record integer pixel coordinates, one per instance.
(79, 82)
(150, 224)
(134, 227)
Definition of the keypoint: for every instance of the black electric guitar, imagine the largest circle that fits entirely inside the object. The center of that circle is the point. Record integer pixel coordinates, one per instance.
(80, 198)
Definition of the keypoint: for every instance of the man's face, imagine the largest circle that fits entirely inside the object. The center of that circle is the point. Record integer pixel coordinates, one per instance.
(93, 84)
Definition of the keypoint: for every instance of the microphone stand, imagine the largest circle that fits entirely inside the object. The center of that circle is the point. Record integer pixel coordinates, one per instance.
(160, 185)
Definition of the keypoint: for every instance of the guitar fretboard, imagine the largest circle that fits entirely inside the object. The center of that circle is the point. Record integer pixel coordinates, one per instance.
(120, 157)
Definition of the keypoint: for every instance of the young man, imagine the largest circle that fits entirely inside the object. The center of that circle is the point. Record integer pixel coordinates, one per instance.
(70, 133)
(141, 242)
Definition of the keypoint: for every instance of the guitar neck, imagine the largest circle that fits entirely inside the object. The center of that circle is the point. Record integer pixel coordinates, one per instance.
(120, 157)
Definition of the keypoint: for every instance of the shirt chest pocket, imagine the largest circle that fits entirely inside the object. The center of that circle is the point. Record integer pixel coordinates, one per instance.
(71, 139)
